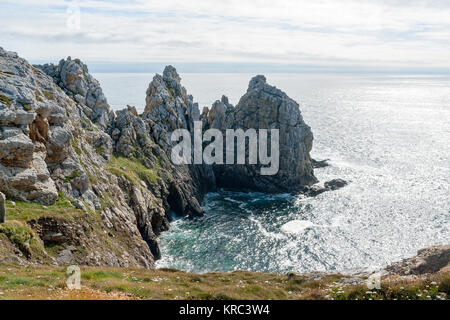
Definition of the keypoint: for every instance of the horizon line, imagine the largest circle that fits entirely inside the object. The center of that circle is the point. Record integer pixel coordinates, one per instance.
(242, 67)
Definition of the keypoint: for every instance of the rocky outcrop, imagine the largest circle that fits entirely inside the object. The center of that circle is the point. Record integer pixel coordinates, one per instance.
(52, 145)
(60, 140)
(332, 185)
(428, 260)
(320, 163)
(266, 107)
(74, 78)
(169, 107)
(28, 114)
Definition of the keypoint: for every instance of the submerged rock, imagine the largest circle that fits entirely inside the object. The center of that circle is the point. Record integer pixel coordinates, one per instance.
(335, 184)
(320, 163)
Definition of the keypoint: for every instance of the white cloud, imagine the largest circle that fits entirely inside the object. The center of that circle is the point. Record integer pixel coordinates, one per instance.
(327, 32)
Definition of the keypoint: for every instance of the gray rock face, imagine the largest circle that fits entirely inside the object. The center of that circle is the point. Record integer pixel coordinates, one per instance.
(73, 76)
(2, 207)
(168, 107)
(50, 145)
(428, 260)
(25, 107)
(266, 107)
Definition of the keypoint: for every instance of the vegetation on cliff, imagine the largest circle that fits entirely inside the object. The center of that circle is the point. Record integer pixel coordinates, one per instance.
(45, 282)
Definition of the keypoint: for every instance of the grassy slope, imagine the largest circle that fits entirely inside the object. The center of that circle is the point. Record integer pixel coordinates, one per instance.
(49, 282)
(25, 211)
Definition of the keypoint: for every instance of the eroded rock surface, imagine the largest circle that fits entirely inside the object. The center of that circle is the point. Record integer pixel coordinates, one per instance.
(60, 140)
(53, 146)
(428, 260)
(266, 107)
(74, 78)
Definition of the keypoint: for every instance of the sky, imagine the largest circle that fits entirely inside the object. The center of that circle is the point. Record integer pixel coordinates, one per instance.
(232, 35)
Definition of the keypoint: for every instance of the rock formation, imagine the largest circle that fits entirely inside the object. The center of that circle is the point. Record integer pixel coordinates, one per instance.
(74, 78)
(428, 260)
(266, 107)
(62, 147)
(51, 150)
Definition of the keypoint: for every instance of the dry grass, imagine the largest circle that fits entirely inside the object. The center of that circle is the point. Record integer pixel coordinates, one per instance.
(49, 282)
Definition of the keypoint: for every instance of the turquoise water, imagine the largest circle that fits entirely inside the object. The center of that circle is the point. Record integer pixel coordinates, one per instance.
(387, 135)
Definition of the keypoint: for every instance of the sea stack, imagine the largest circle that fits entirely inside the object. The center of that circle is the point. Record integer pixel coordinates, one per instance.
(266, 107)
(60, 143)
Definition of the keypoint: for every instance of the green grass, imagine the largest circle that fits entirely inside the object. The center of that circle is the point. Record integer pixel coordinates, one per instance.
(415, 289)
(22, 237)
(87, 125)
(132, 170)
(107, 201)
(11, 282)
(75, 146)
(5, 100)
(75, 174)
(25, 211)
(53, 249)
(100, 150)
(48, 95)
(101, 274)
(38, 96)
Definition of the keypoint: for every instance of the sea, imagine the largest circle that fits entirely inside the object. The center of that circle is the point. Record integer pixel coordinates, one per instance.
(387, 135)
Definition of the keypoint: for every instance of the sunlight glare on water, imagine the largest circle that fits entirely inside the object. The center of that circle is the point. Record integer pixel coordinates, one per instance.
(387, 135)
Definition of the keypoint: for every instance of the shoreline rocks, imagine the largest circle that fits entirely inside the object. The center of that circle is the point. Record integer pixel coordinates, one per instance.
(427, 260)
(59, 140)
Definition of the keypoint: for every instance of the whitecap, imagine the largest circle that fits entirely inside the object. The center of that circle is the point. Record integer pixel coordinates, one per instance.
(297, 226)
(233, 200)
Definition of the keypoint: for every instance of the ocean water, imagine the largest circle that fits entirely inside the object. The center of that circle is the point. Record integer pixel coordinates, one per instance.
(389, 136)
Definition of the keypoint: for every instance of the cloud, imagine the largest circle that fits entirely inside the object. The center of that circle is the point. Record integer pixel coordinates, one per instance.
(328, 32)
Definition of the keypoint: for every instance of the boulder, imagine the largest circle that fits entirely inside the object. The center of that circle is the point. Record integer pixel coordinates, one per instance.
(428, 260)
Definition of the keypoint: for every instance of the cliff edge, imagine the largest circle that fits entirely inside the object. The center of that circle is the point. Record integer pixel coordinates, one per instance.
(87, 185)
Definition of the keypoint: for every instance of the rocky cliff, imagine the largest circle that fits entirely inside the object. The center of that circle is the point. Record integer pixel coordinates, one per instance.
(265, 107)
(92, 186)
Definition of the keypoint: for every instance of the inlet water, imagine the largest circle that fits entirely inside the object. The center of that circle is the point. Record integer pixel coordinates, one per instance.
(389, 136)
